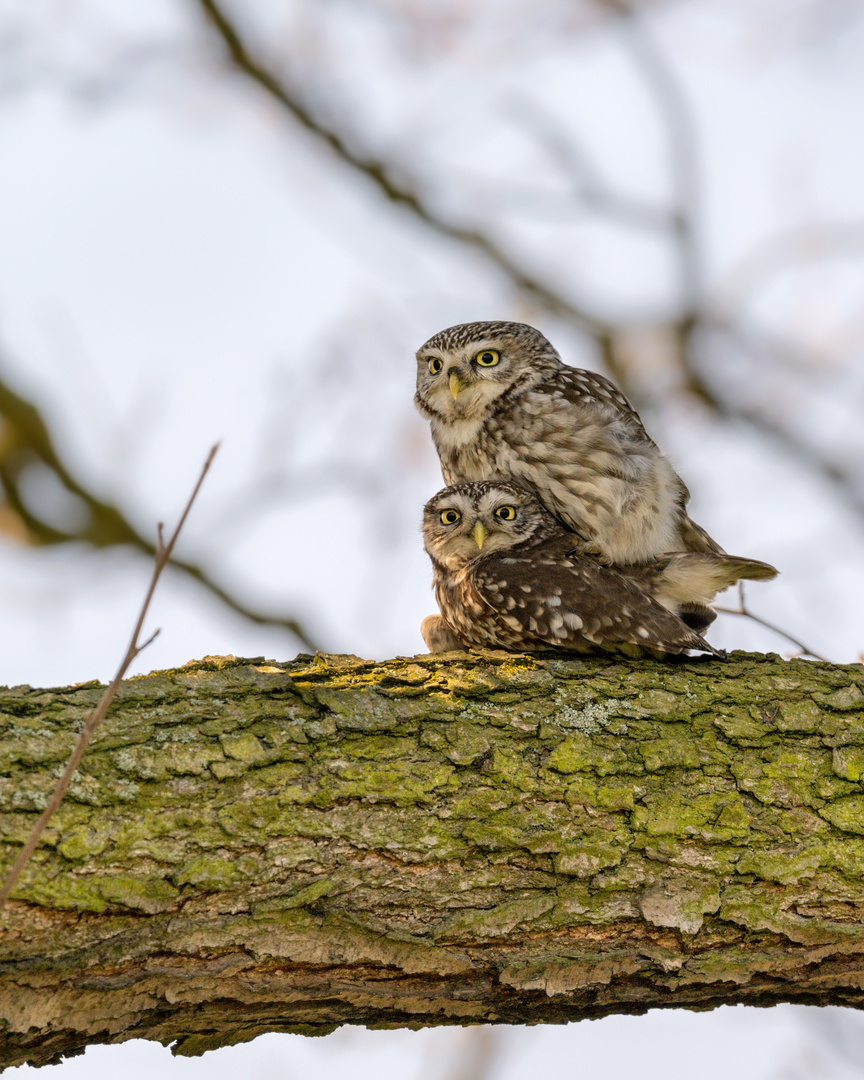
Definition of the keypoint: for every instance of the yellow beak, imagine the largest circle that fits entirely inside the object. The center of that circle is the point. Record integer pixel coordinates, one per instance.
(479, 533)
(456, 384)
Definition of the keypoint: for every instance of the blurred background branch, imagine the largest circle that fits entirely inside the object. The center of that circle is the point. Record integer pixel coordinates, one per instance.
(391, 180)
(250, 215)
(36, 483)
(529, 215)
(693, 311)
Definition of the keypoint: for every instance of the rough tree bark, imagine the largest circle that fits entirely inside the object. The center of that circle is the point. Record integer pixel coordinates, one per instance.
(254, 846)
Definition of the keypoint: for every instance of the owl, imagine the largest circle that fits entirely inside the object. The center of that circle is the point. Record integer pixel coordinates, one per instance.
(506, 576)
(503, 406)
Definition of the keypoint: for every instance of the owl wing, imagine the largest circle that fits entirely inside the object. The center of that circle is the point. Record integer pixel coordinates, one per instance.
(584, 388)
(586, 452)
(574, 603)
(581, 387)
(694, 536)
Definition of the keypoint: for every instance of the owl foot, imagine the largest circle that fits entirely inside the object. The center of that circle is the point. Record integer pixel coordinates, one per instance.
(438, 635)
(592, 549)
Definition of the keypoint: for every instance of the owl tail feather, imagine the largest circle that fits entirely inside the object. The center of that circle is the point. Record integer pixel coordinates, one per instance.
(701, 644)
(687, 642)
(694, 578)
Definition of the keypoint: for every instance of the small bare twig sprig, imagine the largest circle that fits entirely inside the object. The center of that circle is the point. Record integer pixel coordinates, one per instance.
(742, 609)
(163, 555)
(26, 441)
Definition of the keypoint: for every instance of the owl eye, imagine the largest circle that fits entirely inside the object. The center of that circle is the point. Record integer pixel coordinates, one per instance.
(435, 365)
(487, 358)
(450, 517)
(506, 513)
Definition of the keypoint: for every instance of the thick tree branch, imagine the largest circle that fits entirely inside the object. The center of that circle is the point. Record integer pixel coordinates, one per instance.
(252, 846)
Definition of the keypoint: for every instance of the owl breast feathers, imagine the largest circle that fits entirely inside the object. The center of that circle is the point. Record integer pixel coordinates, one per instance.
(507, 577)
(502, 406)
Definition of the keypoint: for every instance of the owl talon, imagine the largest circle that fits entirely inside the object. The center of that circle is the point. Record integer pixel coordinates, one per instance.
(591, 549)
(438, 636)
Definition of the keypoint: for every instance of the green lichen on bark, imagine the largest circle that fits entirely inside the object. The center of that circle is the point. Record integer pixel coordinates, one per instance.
(252, 846)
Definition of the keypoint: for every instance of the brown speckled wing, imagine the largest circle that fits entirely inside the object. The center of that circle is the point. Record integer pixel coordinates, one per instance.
(574, 603)
(582, 387)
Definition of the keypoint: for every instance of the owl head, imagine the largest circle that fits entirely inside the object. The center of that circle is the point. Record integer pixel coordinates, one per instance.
(465, 521)
(462, 370)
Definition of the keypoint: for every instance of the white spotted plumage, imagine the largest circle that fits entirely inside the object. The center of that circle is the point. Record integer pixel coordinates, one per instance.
(506, 576)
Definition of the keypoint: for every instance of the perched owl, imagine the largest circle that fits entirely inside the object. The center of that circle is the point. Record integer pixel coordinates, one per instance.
(506, 577)
(503, 406)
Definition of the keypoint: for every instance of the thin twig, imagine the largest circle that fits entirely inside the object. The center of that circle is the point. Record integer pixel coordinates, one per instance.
(27, 438)
(163, 554)
(742, 610)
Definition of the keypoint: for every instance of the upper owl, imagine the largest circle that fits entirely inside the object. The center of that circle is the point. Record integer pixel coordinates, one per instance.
(503, 406)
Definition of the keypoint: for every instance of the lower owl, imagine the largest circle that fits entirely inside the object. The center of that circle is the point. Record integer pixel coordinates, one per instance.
(506, 577)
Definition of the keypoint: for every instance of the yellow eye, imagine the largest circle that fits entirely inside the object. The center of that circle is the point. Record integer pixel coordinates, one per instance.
(506, 513)
(450, 517)
(435, 365)
(487, 358)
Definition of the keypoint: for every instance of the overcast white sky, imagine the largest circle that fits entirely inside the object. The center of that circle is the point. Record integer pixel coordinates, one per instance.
(179, 265)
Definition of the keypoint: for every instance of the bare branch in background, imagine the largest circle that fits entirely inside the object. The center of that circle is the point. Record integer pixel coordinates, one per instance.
(163, 555)
(783, 251)
(674, 110)
(841, 479)
(694, 312)
(25, 441)
(343, 476)
(743, 610)
(589, 188)
(388, 177)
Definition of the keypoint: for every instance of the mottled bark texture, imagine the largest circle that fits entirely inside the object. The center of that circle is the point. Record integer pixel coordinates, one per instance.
(253, 846)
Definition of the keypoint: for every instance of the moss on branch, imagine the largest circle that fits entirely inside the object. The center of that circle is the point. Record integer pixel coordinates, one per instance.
(253, 846)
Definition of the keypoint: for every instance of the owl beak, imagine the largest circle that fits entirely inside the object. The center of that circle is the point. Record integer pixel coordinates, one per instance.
(479, 533)
(456, 384)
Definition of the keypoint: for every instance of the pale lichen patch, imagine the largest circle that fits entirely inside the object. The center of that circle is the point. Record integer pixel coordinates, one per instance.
(679, 905)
